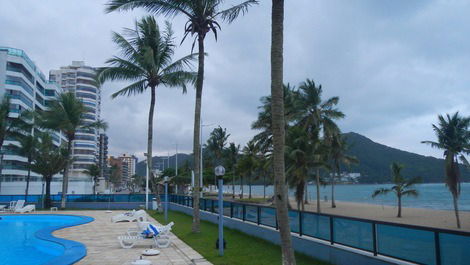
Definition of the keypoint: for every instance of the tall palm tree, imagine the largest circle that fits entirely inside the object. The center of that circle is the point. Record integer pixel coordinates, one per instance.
(216, 145)
(66, 114)
(27, 148)
(48, 161)
(278, 130)
(453, 136)
(12, 126)
(232, 154)
(94, 172)
(147, 62)
(338, 156)
(202, 16)
(403, 187)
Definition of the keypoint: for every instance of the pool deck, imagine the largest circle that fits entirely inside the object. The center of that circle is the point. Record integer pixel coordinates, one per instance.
(100, 238)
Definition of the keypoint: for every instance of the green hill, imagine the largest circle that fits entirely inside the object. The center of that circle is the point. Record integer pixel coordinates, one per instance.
(375, 160)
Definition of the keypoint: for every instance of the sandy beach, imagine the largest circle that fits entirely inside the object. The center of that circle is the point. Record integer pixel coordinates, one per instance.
(414, 216)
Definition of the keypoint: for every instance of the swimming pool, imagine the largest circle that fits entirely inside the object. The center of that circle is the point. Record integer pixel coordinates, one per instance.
(28, 240)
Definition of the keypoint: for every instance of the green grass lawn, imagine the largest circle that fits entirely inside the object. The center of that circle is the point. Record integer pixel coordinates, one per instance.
(242, 249)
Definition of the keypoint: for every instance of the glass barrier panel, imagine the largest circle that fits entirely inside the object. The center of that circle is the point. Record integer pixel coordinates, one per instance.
(238, 211)
(406, 243)
(226, 208)
(251, 213)
(316, 225)
(454, 249)
(268, 216)
(353, 233)
(201, 204)
(294, 221)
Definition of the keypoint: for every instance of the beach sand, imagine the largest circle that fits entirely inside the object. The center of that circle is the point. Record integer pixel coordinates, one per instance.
(414, 216)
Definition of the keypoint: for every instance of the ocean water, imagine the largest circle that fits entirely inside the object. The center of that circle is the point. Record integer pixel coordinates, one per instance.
(432, 196)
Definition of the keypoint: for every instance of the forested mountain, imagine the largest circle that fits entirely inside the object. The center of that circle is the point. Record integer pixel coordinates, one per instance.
(375, 160)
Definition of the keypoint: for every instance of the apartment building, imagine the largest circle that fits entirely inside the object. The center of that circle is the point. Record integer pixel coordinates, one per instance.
(28, 89)
(78, 78)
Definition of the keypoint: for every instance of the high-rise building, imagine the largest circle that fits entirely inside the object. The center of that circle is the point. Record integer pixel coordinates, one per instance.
(79, 79)
(102, 163)
(129, 163)
(28, 89)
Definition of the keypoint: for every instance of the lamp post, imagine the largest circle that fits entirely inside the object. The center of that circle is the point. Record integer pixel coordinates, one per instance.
(165, 179)
(219, 173)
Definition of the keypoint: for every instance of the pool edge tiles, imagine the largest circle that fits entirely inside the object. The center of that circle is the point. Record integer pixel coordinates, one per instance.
(73, 250)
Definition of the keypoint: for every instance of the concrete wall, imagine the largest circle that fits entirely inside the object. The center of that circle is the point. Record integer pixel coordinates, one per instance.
(318, 249)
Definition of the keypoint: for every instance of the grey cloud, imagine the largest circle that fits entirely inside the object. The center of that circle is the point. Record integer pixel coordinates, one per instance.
(394, 64)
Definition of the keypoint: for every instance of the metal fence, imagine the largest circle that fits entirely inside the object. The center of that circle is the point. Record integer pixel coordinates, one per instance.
(80, 198)
(416, 244)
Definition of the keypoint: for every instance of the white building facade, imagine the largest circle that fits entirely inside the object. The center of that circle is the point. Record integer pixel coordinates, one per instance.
(79, 79)
(28, 89)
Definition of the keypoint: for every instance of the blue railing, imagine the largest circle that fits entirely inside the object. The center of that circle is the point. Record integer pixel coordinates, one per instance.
(416, 244)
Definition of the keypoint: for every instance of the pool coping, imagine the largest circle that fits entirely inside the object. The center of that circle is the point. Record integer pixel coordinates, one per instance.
(73, 250)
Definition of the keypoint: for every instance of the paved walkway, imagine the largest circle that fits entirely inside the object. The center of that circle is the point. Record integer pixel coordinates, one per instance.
(100, 238)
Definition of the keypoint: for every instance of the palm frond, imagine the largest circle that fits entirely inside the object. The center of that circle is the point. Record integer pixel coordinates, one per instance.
(381, 191)
(132, 89)
(163, 7)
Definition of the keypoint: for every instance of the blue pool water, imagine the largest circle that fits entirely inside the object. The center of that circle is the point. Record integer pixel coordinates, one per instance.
(21, 243)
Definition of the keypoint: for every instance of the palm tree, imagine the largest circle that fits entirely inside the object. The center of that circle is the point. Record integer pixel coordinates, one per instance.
(315, 115)
(94, 172)
(27, 148)
(115, 176)
(248, 164)
(299, 160)
(202, 18)
(66, 114)
(403, 187)
(11, 127)
(232, 154)
(453, 136)
(338, 156)
(216, 145)
(48, 161)
(278, 131)
(147, 62)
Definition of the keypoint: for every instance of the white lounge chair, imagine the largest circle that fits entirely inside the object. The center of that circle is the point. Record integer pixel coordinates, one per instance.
(130, 216)
(27, 209)
(19, 205)
(160, 240)
(142, 226)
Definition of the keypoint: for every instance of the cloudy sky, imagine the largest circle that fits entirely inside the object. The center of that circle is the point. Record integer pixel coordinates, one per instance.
(394, 64)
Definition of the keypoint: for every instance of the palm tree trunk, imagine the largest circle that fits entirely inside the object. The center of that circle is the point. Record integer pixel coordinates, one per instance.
(333, 204)
(65, 180)
(47, 201)
(399, 206)
(249, 187)
(456, 210)
(318, 191)
(27, 181)
(197, 130)
(233, 186)
(306, 193)
(278, 127)
(241, 187)
(150, 141)
(264, 187)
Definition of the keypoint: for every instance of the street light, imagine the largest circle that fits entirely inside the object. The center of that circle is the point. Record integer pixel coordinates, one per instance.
(219, 173)
(165, 179)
